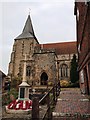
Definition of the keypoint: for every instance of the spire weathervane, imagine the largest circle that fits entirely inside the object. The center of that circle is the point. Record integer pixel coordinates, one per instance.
(29, 11)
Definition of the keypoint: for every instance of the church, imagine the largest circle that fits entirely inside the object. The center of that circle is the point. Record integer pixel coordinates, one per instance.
(45, 63)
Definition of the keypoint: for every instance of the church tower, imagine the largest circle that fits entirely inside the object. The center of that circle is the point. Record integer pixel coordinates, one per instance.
(45, 64)
(23, 44)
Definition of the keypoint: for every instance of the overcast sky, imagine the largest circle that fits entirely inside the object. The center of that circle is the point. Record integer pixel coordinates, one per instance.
(53, 21)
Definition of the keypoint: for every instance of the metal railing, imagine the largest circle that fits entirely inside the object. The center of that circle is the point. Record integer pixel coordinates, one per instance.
(42, 109)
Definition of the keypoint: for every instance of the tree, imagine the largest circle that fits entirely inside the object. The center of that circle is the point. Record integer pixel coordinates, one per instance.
(15, 82)
(73, 71)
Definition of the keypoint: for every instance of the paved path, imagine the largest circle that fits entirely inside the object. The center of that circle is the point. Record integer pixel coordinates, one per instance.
(72, 105)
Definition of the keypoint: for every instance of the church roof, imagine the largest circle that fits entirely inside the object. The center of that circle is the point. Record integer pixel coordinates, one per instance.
(62, 48)
(28, 31)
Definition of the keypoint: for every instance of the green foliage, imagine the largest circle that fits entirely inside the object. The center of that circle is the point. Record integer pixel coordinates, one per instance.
(13, 92)
(6, 98)
(73, 71)
(15, 82)
(68, 84)
(64, 83)
(50, 83)
(76, 84)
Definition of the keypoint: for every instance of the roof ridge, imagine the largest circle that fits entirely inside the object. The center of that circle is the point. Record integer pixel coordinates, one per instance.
(59, 43)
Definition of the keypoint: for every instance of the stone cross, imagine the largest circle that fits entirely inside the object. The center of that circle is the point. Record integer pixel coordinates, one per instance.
(24, 70)
(29, 11)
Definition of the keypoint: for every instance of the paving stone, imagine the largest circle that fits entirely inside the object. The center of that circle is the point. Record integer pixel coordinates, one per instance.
(71, 103)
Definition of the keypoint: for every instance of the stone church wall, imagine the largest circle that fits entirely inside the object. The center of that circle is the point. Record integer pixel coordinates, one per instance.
(65, 59)
(45, 62)
(20, 48)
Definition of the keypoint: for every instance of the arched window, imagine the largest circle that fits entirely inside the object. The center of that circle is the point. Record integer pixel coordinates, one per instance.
(28, 70)
(64, 70)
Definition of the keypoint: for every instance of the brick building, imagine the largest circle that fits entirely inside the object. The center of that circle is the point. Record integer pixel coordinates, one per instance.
(82, 12)
(46, 63)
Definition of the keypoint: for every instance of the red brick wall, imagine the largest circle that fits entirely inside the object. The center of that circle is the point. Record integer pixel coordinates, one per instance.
(84, 45)
(89, 27)
(82, 30)
(83, 40)
(82, 13)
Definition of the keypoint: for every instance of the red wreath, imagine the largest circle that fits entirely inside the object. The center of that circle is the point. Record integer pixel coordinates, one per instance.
(17, 103)
(29, 104)
(12, 104)
(20, 103)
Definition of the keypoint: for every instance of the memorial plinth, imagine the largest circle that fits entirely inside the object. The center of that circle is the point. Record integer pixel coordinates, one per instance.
(23, 104)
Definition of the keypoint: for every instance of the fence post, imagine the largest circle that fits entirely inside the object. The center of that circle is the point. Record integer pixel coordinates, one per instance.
(49, 107)
(59, 88)
(54, 94)
(35, 108)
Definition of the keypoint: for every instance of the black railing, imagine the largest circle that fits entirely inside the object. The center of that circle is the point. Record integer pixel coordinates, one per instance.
(42, 109)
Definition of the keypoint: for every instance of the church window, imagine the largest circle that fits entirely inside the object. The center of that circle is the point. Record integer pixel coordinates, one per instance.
(28, 69)
(22, 44)
(22, 47)
(30, 46)
(64, 70)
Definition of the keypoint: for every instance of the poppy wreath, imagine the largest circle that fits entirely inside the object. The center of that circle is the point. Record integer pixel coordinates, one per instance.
(12, 105)
(20, 104)
(17, 105)
(24, 105)
(29, 104)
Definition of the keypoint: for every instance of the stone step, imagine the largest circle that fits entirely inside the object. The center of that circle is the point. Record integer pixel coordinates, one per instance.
(70, 115)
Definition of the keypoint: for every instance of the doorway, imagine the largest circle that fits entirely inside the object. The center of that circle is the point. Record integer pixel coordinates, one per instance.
(44, 78)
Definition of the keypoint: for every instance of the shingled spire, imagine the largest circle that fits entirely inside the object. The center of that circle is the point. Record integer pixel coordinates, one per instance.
(28, 31)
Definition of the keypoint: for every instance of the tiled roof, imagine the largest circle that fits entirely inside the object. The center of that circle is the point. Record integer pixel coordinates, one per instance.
(62, 48)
